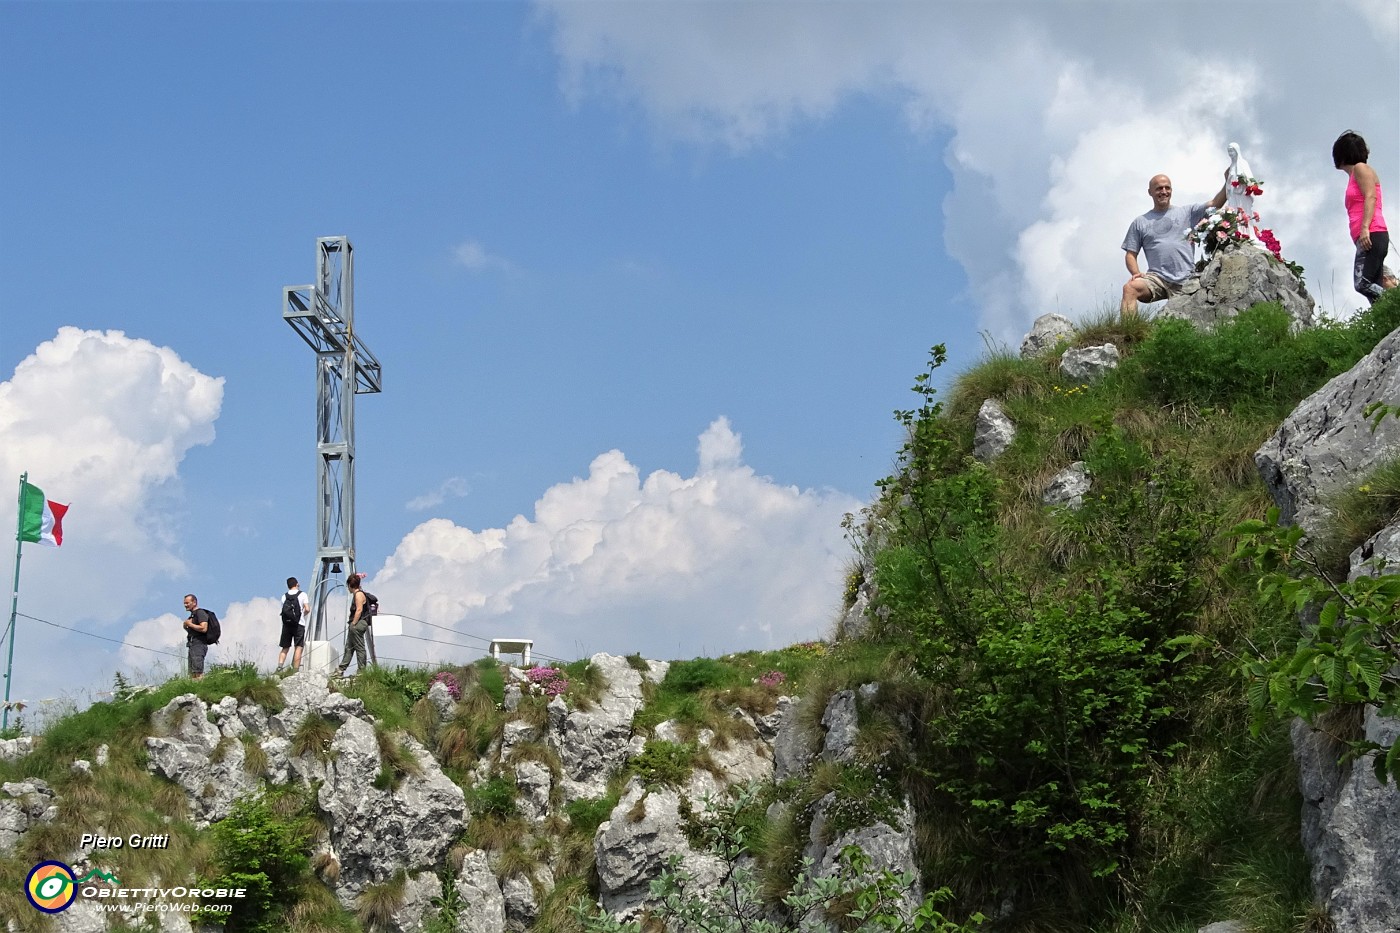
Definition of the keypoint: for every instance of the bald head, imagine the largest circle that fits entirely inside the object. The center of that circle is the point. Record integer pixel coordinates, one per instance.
(1159, 188)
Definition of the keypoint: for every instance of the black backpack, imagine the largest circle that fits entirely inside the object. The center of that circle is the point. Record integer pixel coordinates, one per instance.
(291, 609)
(371, 606)
(211, 632)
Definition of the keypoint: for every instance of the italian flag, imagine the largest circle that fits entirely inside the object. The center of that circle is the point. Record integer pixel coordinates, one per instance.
(40, 521)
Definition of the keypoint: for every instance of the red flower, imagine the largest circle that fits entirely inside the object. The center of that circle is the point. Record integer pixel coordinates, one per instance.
(1269, 240)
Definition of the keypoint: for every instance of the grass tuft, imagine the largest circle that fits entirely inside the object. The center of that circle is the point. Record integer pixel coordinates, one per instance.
(377, 903)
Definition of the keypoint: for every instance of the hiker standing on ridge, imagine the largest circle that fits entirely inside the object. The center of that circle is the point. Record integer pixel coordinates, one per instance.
(359, 623)
(1370, 276)
(295, 608)
(196, 631)
(1161, 234)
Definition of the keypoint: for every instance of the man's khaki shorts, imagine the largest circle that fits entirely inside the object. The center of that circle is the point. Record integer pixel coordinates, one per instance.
(1159, 289)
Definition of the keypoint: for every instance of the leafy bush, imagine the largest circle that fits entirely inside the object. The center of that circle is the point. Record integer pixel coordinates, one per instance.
(1345, 656)
(495, 796)
(1255, 359)
(664, 763)
(586, 815)
(261, 848)
(1051, 695)
(694, 676)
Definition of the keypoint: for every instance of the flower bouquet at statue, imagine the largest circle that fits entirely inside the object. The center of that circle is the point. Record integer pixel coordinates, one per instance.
(1224, 228)
(1244, 184)
(1272, 244)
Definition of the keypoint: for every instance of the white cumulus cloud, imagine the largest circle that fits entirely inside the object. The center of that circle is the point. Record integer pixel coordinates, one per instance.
(669, 565)
(1058, 113)
(102, 421)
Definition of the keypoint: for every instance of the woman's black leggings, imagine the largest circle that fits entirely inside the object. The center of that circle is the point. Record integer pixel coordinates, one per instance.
(1369, 267)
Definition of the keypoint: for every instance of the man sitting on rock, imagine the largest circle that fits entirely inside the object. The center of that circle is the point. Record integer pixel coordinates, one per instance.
(1161, 232)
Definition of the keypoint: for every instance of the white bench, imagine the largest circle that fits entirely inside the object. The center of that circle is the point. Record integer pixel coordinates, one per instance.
(519, 646)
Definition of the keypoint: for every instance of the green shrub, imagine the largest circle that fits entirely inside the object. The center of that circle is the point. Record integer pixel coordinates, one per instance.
(495, 797)
(663, 764)
(694, 676)
(586, 815)
(491, 679)
(1051, 697)
(1254, 360)
(263, 852)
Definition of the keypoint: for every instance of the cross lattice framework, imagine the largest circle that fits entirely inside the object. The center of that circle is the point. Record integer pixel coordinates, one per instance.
(324, 315)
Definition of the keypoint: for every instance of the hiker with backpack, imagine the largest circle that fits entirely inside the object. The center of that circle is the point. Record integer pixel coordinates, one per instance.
(295, 608)
(363, 606)
(201, 631)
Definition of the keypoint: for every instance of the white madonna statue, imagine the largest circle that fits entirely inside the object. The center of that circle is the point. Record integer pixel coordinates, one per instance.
(1237, 195)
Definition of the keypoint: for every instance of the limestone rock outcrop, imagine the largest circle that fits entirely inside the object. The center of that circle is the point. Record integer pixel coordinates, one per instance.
(478, 889)
(1351, 822)
(374, 830)
(994, 432)
(1047, 333)
(376, 827)
(390, 812)
(1089, 364)
(631, 848)
(1237, 279)
(1327, 443)
(1068, 487)
(592, 743)
(195, 753)
(23, 804)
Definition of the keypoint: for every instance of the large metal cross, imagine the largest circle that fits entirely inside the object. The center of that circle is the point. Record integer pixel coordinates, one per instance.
(324, 315)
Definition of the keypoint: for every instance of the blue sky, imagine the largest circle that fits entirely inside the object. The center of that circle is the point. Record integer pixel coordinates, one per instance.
(646, 280)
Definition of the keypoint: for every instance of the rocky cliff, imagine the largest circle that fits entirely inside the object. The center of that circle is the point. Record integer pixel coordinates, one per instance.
(1351, 821)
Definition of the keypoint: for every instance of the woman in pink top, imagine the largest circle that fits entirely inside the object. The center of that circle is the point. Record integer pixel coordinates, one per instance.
(1363, 203)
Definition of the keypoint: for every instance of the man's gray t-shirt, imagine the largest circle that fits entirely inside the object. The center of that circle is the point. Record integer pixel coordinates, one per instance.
(1162, 235)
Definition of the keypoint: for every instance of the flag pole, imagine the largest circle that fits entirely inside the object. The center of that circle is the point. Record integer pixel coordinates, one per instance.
(14, 599)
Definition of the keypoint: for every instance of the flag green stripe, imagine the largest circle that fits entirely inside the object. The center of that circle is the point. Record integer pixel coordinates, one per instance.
(31, 512)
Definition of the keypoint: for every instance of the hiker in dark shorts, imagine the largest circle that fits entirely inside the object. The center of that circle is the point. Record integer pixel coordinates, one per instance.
(295, 609)
(196, 629)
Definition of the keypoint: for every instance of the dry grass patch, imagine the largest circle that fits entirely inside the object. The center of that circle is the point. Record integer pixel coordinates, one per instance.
(1002, 376)
(255, 758)
(493, 832)
(377, 904)
(1108, 326)
(313, 736)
